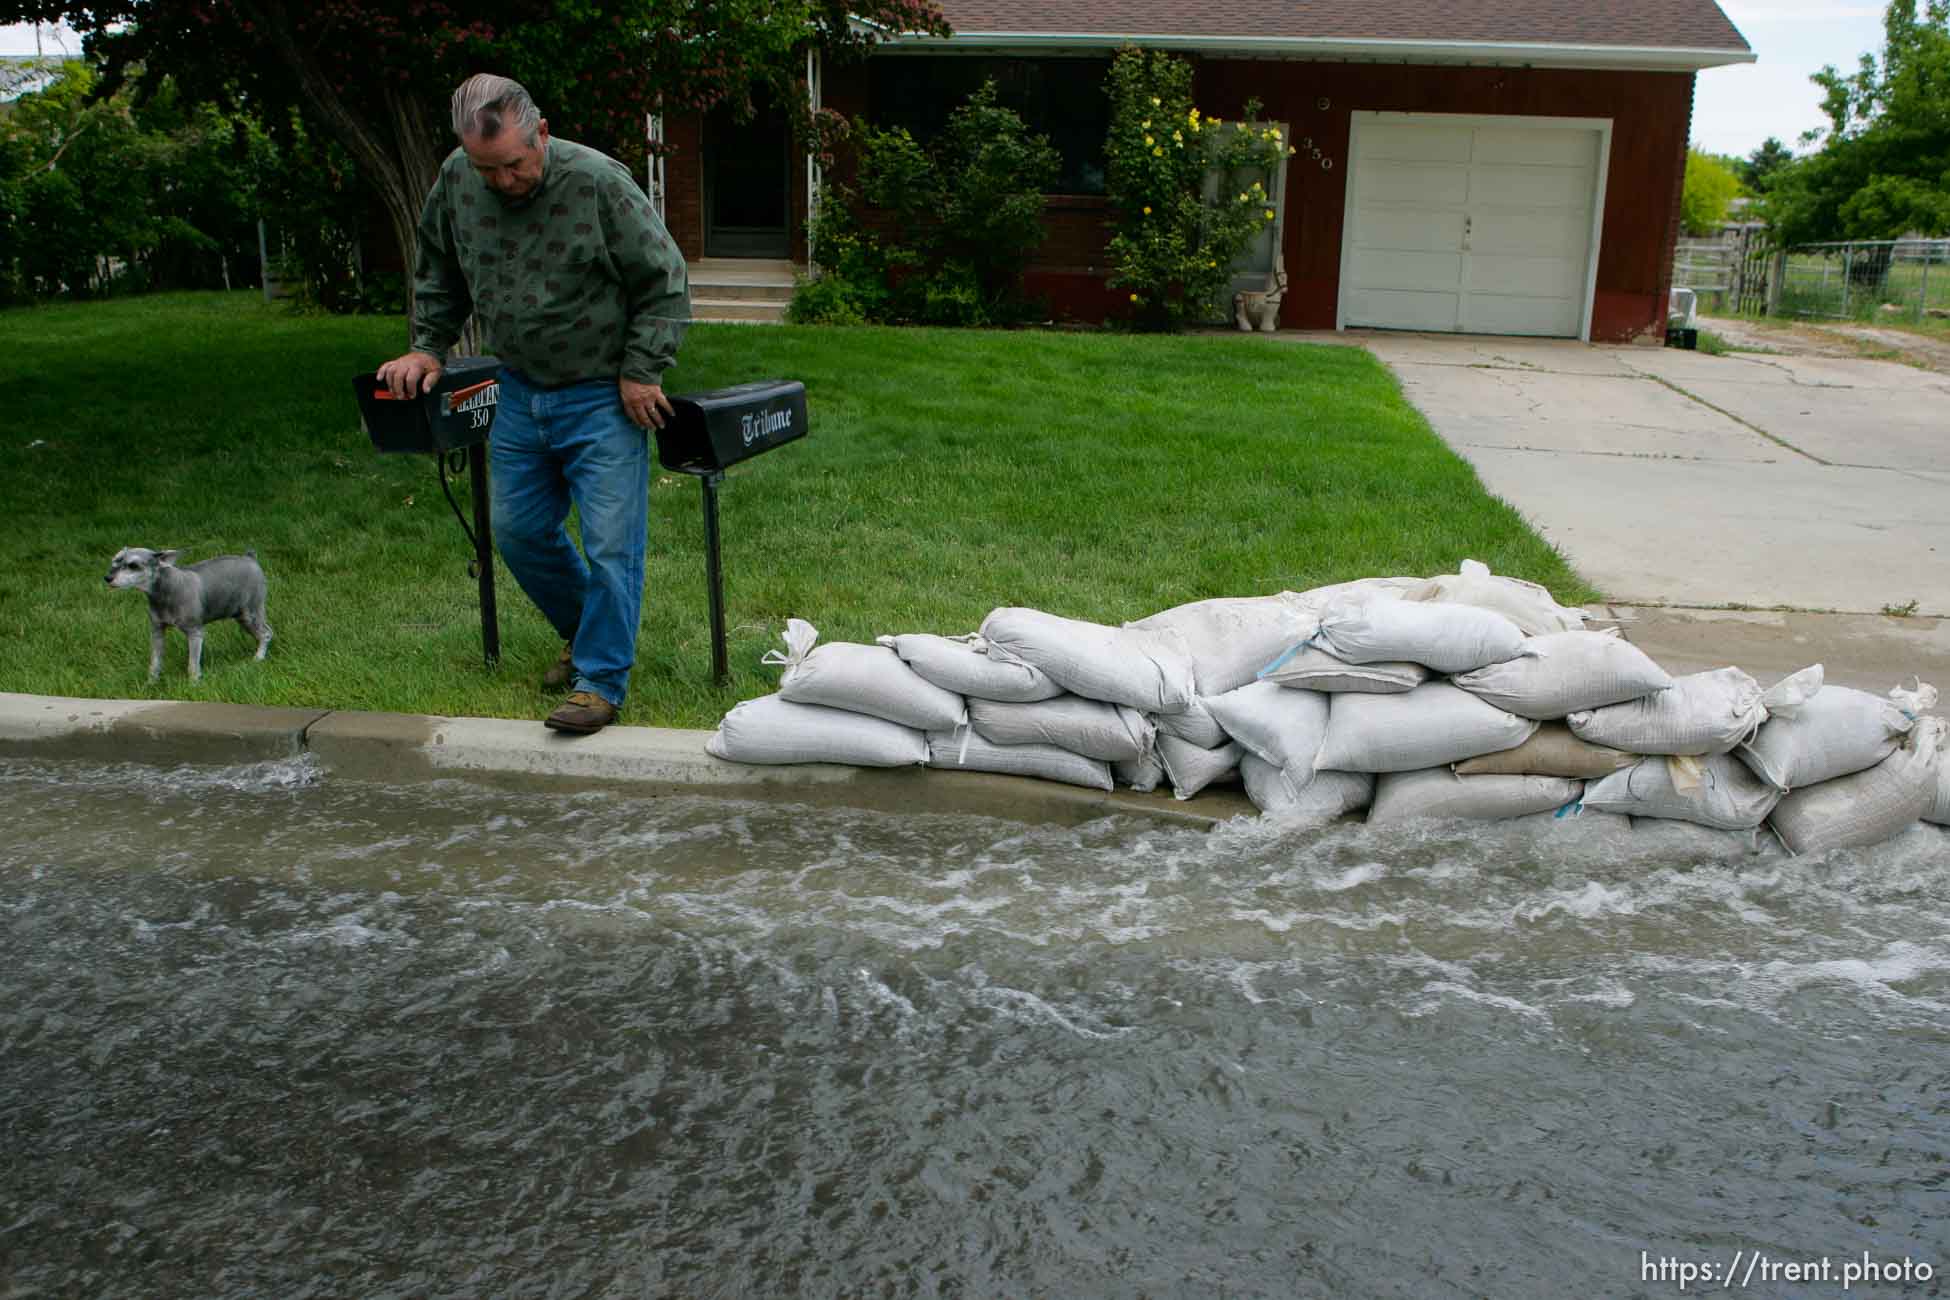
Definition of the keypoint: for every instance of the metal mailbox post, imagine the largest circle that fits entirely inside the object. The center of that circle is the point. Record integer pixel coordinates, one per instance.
(715, 429)
(453, 420)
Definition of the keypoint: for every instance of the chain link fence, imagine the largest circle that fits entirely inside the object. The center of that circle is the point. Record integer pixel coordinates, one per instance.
(1864, 279)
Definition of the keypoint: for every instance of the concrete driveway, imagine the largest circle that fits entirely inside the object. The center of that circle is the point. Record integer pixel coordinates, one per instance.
(1677, 478)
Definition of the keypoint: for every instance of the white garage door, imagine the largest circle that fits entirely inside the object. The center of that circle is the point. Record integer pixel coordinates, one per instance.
(1476, 225)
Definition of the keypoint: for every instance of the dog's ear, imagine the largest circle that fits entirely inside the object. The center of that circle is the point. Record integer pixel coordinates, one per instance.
(165, 557)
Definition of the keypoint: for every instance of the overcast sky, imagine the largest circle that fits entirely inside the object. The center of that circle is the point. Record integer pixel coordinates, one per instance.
(1734, 108)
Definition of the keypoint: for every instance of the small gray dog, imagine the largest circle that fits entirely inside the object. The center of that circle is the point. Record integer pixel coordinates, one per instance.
(228, 586)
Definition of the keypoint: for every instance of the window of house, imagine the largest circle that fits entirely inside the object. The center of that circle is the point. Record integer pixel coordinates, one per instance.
(1061, 98)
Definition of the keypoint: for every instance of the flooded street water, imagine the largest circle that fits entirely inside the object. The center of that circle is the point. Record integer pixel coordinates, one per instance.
(264, 1033)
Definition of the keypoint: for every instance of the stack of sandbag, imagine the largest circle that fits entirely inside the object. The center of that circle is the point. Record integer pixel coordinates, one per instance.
(1459, 696)
(1450, 707)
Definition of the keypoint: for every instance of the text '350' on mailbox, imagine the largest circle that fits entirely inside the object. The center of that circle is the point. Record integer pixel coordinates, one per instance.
(723, 426)
(459, 412)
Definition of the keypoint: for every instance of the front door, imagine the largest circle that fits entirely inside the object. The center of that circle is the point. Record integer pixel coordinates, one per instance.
(746, 181)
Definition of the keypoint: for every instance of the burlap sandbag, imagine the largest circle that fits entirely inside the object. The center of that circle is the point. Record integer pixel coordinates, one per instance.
(1433, 724)
(963, 750)
(772, 729)
(1866, 807)
(1111, 732)
(963, 665)
(1284, 727)
(1566, 671)
(1837, 731)
(1233, 637)
(1439, 792)
(1441, 636)
(1308, 796)
(1716, 791)
(1701, 713)
(1553, 751)
(1192, 768)
(861, 678)
(1148, 670)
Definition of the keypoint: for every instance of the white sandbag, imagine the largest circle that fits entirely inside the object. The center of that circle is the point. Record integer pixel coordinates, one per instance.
(1701, 713)
(867, 679)
(1563, 672)
(1716, 790)
(1438, 792)
(1552, 751)
(1668, 842)
(1939, 810)
(1092, 728)
(964, 751)
(1141, 774)
(1838, 731)
(1315, 600)
(1866, 807)
(1230, 638)
(963, 665)
(1322, 796)
(1526, 604)
(1192, 768)
(1148, 670)
(772, 729)
(1445, 637)
(1282, 726)
(1195, 724)
(1429, 726)
(1307, 667)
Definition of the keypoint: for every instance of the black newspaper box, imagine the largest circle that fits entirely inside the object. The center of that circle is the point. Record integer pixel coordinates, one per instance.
(459, 412)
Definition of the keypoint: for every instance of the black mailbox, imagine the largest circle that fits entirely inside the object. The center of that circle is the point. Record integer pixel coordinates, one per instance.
(723, 426)
(456, 417)
(714, 429)
(459, 411)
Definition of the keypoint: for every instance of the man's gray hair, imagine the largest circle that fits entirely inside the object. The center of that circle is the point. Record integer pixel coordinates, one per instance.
(485, 105)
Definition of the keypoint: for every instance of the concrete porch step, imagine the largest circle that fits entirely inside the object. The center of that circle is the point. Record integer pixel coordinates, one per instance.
(738, 310)
(740, 288)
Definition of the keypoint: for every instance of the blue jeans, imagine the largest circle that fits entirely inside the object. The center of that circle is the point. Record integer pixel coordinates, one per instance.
(551, 448)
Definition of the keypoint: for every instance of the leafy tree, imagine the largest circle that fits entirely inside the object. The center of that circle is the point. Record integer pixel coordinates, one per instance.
(1884, 167)
(1759, 168)
(1189, 191)
(1710, 187)
(375, 78)
(967, 212)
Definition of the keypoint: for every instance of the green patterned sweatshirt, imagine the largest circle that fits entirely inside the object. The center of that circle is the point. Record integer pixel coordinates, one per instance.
(578, 279)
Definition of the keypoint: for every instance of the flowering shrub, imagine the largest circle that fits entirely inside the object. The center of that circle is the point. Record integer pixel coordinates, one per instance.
(967, 214)
(1189, 191)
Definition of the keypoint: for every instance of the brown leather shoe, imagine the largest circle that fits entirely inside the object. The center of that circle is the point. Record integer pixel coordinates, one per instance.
(583, 713)
(560, 673)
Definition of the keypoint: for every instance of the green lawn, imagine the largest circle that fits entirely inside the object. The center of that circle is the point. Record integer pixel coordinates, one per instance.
(946, 473)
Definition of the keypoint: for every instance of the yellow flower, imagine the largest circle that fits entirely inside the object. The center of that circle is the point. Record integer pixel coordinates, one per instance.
(1290, 151)
(1192, 117)
(1176, 138)
(1213, 264)
(1217, 122)
(1159, 152)
(1148, 140)
(1134, 297)
(1242, 197)
(1147, 209)
(1269, 214)
(1155, 101)
(1273, 133)
(1145, 125)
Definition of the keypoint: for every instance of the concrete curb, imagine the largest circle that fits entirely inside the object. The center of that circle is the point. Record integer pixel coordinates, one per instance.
(401, 748)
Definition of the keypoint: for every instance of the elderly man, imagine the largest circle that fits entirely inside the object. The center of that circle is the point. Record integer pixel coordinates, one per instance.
(584, 297)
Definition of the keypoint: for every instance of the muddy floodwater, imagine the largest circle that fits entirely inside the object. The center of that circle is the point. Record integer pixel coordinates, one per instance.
(267, 1033)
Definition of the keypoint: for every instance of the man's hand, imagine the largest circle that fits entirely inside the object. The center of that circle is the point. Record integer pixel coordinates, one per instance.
(644, 403)
(411, 375)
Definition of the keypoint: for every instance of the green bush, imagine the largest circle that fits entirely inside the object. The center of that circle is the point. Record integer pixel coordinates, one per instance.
(965, 212)
(1189, 191)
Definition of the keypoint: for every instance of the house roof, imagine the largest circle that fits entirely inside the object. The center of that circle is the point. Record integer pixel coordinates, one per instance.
(1662, 34)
